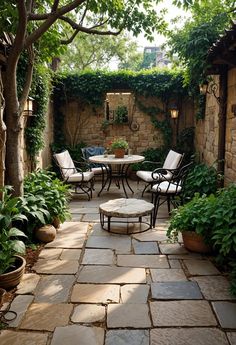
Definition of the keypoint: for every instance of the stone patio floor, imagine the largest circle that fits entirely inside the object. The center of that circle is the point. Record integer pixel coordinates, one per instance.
(95, 288)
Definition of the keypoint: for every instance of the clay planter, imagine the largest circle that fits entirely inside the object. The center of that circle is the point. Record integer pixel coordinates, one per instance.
(13, 278)
(56, 222)
(119, 153)
(194, 242)
(46, 233)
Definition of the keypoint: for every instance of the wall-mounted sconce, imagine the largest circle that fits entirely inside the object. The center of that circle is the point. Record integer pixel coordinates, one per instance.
(28, 108)
(211, 88)
(233, 109)
(174, 112)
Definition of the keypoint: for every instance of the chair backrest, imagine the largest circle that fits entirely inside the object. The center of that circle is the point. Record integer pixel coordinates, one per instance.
(92, 151)
(65, 163)
(173, 160)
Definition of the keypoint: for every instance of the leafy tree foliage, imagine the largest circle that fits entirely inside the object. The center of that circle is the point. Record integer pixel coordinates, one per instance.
(192, 42)
(96, 52)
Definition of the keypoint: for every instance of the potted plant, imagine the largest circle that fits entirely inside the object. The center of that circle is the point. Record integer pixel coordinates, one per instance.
(195, 221)
(11, 265)
(119, 146)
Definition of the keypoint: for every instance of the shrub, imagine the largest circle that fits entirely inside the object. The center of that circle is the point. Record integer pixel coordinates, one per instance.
(52, 192)
(201, 179)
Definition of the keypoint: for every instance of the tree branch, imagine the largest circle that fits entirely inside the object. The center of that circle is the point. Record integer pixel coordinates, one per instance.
(50, 19)
(55, 6)
(69, 40)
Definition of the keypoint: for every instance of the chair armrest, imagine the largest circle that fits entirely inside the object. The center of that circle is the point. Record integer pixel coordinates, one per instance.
(161, 174)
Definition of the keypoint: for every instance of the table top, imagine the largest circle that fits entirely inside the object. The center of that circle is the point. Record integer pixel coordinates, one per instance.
(127, 208)
(110, 159)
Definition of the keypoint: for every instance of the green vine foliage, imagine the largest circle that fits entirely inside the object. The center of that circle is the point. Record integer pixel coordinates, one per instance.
(40, 90)
(91, 87)
(34, 131)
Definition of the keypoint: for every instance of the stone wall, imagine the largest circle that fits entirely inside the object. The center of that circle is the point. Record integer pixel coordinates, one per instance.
(83, 123)
(230, 140)
(207, 131)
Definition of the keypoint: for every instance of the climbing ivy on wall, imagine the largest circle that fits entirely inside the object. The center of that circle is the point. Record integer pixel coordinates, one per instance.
(40, 91)
(91, 88)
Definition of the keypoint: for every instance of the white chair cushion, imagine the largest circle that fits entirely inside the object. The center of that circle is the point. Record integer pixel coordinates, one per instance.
(172, 160)
(77, 177)
(166, 187)
(147, 176)
(99, 170)
(66, 163)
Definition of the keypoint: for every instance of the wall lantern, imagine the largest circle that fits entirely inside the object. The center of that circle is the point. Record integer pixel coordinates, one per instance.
(211, 88)
(174, 112)
(28, 108)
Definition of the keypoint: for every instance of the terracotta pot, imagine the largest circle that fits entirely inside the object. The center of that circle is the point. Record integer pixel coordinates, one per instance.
(13, 278)
(46, 233)
(119, 153)
(194, 242)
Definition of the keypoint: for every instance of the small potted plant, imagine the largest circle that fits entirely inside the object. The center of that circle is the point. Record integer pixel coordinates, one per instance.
(119, 146)
(195, 221)
(11, 265)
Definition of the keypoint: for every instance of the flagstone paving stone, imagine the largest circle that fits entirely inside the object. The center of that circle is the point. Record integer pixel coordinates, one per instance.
(121, 244)
(22, 338)
(151, 235)
(176, 290)
(127, 337)
(187, 256)
(145, 247)
(134, 293)
(69, 240)
(28, 284)
(19, 305)
(88, 313)
(187, 336)
(56, 266)
(226, 313)
(76, 334)
(50, 254)
(92, 293)
(158, 261)
(174, 263)
(73, 228)
(182, 313)
(112, 275)
(70, 254)
(231, 336)
(214, 287)
(128, 315)
(98, 257)
(54, 288)
(196, 267)
(46, 316)
(172, 248)
(167, 274)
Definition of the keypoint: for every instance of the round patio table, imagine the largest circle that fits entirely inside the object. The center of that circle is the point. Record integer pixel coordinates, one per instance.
(128, 209)
(119, 174)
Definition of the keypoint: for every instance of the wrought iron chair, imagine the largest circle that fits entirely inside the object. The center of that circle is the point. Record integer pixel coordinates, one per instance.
(98, 169)
(168, 189)
(173, 161)
(76, 173)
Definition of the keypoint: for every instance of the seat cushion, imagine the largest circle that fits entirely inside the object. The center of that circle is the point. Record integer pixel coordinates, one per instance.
(172, 160)
(78, 177)
(98, 170)
(65, 163)
(166, 187)
(147, 176)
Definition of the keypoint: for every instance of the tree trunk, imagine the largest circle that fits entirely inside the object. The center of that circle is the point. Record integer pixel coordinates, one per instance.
(2, 138)
(14, 159)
